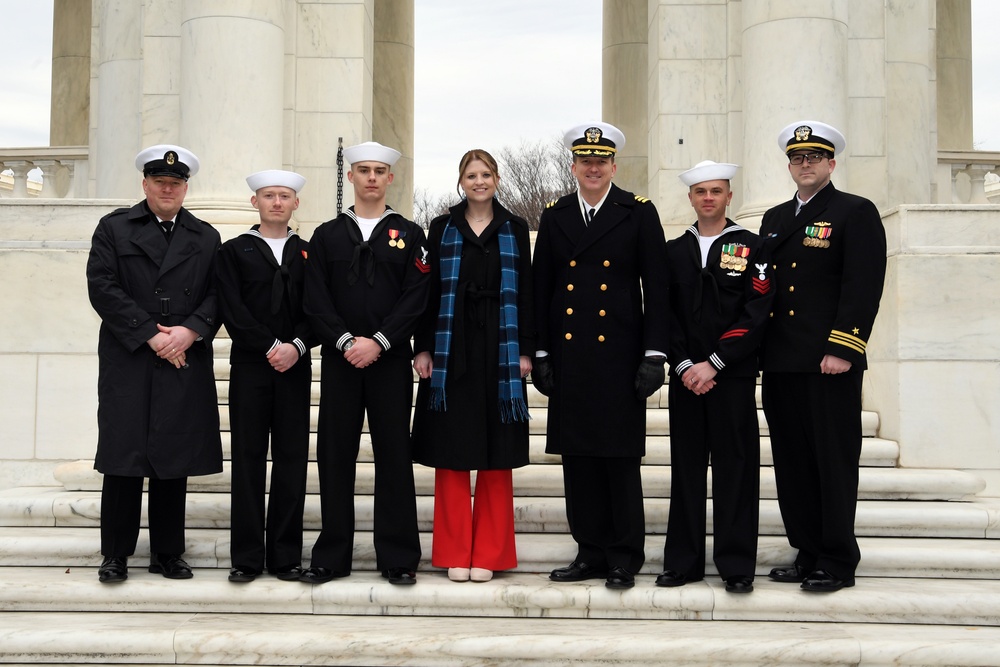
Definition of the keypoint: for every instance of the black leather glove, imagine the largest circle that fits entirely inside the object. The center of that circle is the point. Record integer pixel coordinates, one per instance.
(543, 375)
(649, 377)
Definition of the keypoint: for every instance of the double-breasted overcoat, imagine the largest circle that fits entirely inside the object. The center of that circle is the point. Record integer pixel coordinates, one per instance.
(155, 420)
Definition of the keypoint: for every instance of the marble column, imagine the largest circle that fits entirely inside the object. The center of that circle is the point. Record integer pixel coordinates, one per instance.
(689, 99)
(69, 118)
(794, 68)
(624, 103)
(392, 96)
(118, 130)
(954, 76)
(911, 142)
(231, 99)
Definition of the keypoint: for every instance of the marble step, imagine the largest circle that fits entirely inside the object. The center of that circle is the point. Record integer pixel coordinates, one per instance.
(49, 506)
(954, 558)
(546, 480)
(508, 596)
(207, 639)
(875, 452)
(657, 421)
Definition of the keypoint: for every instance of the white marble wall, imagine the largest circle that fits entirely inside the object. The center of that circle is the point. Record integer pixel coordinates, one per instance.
(935, 355)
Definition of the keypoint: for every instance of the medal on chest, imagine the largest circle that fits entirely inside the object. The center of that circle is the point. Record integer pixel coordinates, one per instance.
(734, 257)
(396, 239)
(818, 235)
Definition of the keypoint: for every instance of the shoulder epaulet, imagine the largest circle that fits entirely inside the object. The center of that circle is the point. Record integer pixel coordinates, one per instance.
(551, 203)
(641, 199)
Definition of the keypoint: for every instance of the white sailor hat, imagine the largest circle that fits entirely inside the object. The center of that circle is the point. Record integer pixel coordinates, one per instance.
(708, 171)
(371, 151)
(167, 160)
(806, 134)
(276, 177)
(598, 139)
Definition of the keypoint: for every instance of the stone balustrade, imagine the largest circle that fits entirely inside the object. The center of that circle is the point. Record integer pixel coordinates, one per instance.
(60, 172)
(968, 177)
(63, 172)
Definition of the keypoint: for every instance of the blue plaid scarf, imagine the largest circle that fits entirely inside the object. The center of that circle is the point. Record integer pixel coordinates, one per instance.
(511, 390)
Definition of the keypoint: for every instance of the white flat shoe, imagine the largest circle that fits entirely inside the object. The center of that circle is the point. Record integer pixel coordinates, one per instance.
(459, 573)
(480, 574)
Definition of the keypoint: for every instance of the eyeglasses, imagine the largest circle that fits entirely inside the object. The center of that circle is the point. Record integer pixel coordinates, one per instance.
(812, 158)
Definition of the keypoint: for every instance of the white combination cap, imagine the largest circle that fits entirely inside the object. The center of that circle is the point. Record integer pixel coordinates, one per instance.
(597, 138)
(806, 134)
(167, 160)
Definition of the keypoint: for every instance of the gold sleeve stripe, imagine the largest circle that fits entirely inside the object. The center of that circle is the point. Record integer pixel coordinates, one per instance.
(847, 340)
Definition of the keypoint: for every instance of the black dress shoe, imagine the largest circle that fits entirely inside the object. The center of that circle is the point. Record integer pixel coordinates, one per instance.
(170, 566)
(790, 574)
(113, 569)
(289, 573)
(578, 571)
(242, 575)
(822, 581)
(671, 578)
(320, 575)
(400, 576)
(739, 584)
(619, 578)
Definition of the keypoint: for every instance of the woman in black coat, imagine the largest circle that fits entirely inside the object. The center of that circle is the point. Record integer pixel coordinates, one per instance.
(473, 350)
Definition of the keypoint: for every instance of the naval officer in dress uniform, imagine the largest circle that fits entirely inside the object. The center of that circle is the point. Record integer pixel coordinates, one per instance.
(261, 273)
(602, 312)
(828, 254)
(367, 281)
(720, 293)
(151, 277)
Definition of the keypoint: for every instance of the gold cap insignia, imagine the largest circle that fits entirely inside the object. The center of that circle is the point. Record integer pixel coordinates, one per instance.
(593, 135)
(802, 133)
(170, 157)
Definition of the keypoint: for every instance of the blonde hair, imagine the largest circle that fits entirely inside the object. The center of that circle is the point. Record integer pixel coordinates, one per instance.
(471, 156)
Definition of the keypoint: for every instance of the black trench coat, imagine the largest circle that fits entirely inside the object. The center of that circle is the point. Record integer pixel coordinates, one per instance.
(155, 420)
(470, 435)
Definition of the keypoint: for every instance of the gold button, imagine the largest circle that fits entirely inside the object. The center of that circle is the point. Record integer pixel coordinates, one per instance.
(791, 313)
(569, 311)
(770, 314)
(794, 264)
(569, 287)
(602, 312)
(774, 266)
(572, 262)
(791, 288)
(607, 263)
(569, 336)
(600, 338)
(604, 288)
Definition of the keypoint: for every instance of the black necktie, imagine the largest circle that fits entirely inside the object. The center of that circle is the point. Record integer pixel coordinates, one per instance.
(167, 226)
(590, 215)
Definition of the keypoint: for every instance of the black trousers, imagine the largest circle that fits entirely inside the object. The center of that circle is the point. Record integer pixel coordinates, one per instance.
(121, 512)
(385, 391)
(721, 427)
(605, 511)
(815, 426)
(268, 406)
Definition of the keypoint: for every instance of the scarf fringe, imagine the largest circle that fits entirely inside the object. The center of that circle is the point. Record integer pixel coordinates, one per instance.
(513, 410)
(436, 401)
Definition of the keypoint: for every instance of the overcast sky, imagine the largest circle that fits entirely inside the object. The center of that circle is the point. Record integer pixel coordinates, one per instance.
(488, 75)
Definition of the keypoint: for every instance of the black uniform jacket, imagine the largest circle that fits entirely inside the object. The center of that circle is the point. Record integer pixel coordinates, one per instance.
(261, 301)
(829, 266)
(374, 289)
(155, 420)
(718, 311)
(601, 300)
(470, 435)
